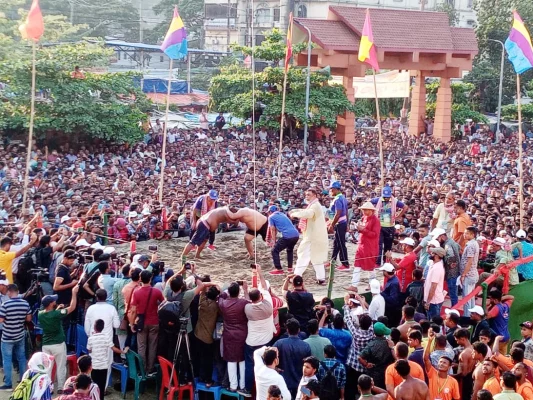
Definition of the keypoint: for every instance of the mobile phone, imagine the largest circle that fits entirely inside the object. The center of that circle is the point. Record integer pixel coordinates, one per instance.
(152, 247)
(328, 308)
(162, 264)
(240, 283)
(253, 266)
(188, 266)
(305, 391)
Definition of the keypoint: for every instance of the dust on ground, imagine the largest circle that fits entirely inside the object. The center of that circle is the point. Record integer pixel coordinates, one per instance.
(230, 262)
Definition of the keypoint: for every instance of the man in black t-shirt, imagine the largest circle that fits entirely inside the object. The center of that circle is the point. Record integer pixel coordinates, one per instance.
(300, 302)
(63, 282)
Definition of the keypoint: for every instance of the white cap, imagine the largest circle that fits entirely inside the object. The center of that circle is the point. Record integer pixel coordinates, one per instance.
(433, 243)
(96, 245)
(449, 311)
(109, 250)
(437, 232)
(4, 282)
(397, 226)
(132, 214)
(499, 242)
(146, 212)
(408, 241)
(521, 233)
(375, 287)
(65, 218)
(135, 261)
(82, 243)
(481, 238)
(478, 310)
(355, 301)
(387, 267)
(503, 232)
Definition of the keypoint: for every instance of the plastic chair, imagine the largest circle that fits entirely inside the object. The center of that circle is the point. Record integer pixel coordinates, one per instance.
(81, 341)
(136, 372)
(229, 393)
(166, 369)
(216, 390)
(72, 366)
(123, 369)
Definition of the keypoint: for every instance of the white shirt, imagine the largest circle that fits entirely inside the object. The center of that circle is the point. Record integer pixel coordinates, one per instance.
(104, 311)
(266, 377)
(99, 346)
(15, 248)
(261, 326)
(376, 308)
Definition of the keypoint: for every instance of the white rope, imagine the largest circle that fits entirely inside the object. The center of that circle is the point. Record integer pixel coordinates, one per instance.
(253, 126)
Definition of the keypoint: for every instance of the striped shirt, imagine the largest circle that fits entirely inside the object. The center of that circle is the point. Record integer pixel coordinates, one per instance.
(99, 344)
(14, 313)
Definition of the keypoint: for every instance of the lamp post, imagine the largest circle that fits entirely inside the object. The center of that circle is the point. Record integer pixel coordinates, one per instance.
(500, 89)
(307, 85)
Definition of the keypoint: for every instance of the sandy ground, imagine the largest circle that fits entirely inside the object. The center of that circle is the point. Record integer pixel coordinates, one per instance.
(229, 262)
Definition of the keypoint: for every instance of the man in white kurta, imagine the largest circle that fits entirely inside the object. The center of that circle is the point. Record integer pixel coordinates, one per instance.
(314, 245)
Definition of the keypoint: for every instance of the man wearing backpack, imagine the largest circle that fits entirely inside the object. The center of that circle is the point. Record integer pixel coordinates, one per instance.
(13, 314)
(331, 375)
(7, 257)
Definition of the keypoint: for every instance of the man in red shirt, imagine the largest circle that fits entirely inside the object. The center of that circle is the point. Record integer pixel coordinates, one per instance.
(405, 266)
(145, 300)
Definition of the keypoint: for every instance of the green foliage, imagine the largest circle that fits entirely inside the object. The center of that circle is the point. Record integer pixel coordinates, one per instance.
(449, 9)
(192, 14)
(511, 112)
(494, 22)
(105, 106)
(231, 90)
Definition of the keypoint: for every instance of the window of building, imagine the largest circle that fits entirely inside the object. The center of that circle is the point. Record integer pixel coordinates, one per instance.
(450, 3)
(118, 55)
(259, 39)
(262, 14)
(276, 14)
(161, 59)
(302, 11)
(469, 4)
(215, 11)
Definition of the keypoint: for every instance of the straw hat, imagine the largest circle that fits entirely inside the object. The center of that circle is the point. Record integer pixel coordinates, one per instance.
(368, 206)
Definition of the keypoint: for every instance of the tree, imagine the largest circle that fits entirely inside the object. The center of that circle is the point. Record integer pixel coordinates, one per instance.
(494, 22)
(192, 14)
(231, 90)
(104, 106)
(449, 9)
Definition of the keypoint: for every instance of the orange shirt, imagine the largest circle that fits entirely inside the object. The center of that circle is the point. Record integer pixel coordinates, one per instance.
(508, 361)
(442, 388)
(526, 390)
(393, 378)
(492, 385)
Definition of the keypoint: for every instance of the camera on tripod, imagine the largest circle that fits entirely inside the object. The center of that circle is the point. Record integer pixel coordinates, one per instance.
(39, 275)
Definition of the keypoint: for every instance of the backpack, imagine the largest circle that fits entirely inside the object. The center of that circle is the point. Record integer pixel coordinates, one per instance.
(329, 389)
(24, 388)
(169, 313)
(56, 260)
(30, 260)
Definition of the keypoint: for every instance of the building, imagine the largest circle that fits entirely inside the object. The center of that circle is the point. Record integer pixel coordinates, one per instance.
(229, 21)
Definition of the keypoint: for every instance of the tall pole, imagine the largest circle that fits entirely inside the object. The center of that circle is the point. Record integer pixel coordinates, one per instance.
(380, 138)
(30, 136)
(189, 73)
(164, 148)
(307, 85)
(71, 11)
(228, 26)
(282, 122)
(500, 90)
(140, 41)
(520, 160)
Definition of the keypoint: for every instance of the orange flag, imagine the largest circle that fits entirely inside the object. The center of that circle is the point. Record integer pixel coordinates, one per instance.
(367, 48)
(288, 50)
(33, 28)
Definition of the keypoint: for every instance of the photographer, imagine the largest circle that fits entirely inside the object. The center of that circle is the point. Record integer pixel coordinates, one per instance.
(65, 282)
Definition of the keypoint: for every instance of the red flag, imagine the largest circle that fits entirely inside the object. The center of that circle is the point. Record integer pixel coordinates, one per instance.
(33, 28)
(367, 48)
(288, 51)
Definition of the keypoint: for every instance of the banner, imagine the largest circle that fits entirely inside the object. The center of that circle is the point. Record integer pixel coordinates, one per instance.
(392, 84)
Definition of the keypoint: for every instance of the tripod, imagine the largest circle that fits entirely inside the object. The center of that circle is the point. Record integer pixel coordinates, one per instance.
(183, 338)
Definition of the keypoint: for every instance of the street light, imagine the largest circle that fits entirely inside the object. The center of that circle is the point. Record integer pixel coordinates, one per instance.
(500, 89)
(308, 84)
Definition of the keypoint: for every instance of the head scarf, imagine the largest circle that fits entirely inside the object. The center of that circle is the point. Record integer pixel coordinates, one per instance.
(42, 364)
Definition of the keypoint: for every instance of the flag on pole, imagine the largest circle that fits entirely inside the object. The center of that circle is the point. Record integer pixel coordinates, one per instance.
(33, 28)
(288, 50)
(367, 48)
(175, 43)
(518, 46)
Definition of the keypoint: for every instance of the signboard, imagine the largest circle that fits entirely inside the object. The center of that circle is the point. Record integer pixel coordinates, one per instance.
(392, 84)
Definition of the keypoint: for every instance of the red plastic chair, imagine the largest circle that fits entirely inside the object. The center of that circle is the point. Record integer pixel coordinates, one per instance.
(166, 369)
(72, 367)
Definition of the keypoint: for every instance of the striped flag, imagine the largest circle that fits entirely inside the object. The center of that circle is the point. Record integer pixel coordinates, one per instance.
(288, 50)
(33, 28)
(175, 43)
(518, 46)
(367, 48)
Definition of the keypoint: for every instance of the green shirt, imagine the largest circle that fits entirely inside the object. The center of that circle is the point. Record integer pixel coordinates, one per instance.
(317, 344)
(50, 322)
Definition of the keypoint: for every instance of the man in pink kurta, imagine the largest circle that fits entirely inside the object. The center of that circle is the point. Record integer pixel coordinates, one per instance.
(369, 230)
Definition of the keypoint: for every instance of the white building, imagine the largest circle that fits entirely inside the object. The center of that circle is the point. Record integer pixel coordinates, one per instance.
(229, 22)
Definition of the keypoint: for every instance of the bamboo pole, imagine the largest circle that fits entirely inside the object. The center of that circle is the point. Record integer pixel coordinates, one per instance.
(520, 159)
(30, 136)
(380, 137)
(282, 122)
(165, 129)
